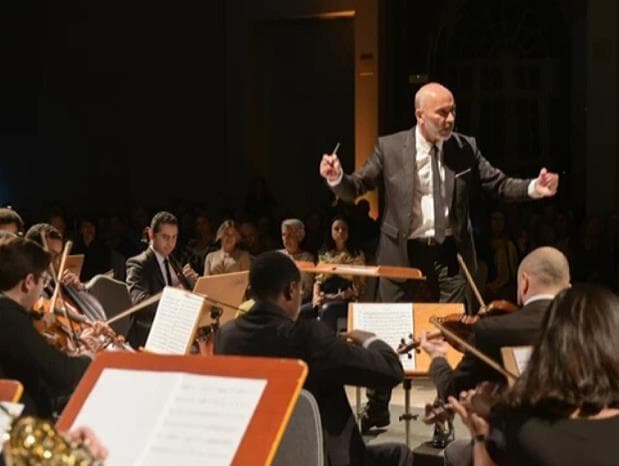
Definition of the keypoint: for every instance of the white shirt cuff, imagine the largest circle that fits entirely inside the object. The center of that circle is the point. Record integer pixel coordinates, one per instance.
(532, 192)
(336, 182)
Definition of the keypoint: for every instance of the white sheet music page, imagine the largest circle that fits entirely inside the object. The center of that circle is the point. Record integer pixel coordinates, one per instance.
(162, 418)
(390, 322)
(176, 318)
(204, 423)
(5, 420)
(522, 355)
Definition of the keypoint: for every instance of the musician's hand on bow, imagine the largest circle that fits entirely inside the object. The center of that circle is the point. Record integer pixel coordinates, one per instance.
(330, 167)
(358, 337)
(189, 272)
(546, 183)
(435, 347)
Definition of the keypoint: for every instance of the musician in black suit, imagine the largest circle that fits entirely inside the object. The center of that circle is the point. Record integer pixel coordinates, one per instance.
(153, 269)
(542, 274)
(271, 329)
(48, 375)
(430, 175)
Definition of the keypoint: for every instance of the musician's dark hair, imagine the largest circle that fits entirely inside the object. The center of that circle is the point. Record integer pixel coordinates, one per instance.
(9, 216)
(18, 258)
(575, 363)
(51, 232)
(162, 218)
(270, 274)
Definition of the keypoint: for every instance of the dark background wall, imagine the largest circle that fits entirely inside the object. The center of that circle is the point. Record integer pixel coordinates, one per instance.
(112, 103)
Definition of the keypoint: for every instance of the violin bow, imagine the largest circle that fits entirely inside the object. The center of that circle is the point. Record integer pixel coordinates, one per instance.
(63, 261)
(474, 351)
(472, 284)
(156, 297)
(133, 309)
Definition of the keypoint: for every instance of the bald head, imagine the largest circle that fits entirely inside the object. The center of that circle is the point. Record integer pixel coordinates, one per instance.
(435, 111)
(429, 92)
(544, 270)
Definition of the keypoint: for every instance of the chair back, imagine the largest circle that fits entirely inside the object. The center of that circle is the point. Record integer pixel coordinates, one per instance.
(302, 444)
(11, 390)
(114, 297)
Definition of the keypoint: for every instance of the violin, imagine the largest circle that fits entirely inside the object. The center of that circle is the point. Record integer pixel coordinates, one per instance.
(71, 332)
(65, 327)
(461, 324)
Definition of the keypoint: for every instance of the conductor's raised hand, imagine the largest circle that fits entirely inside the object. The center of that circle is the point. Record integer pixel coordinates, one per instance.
(546, 183)
(330, 167)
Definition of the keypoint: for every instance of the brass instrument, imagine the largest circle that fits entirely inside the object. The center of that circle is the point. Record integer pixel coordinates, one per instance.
(36, 442)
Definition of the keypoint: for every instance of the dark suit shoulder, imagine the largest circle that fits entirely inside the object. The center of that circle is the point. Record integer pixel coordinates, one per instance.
(519, 327)
(141, 258)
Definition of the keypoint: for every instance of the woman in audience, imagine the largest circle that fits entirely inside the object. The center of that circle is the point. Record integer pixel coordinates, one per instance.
(332, 293)
(293, 233)
(564, 408)
(229, 258)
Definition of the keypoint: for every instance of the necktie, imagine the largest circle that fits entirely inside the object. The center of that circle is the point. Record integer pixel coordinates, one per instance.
(168, 276)
(439, 208)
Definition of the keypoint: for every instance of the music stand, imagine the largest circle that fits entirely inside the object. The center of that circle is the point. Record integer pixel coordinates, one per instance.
(284, 380)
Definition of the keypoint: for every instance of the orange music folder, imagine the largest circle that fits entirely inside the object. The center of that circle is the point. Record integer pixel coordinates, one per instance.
(151, 409)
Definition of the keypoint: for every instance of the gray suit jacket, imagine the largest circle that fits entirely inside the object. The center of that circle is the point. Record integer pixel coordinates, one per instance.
(393, 163)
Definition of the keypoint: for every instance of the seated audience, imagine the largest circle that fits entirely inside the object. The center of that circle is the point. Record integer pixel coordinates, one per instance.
(332, 293)
(293, 233)
(229, 258)
(97, 255)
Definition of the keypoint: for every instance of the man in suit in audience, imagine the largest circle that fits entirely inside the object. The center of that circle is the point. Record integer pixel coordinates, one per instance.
(541, 275)
(272, 329)
(153, 269)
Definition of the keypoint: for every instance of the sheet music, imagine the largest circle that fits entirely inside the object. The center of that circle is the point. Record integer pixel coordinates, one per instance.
(5, 420)
(521, 356)
(204, 422)
(390, 322)
(176, 318)
(170, 417)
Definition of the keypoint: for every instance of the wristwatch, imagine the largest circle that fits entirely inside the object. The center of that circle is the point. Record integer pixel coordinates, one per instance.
(479, 438)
